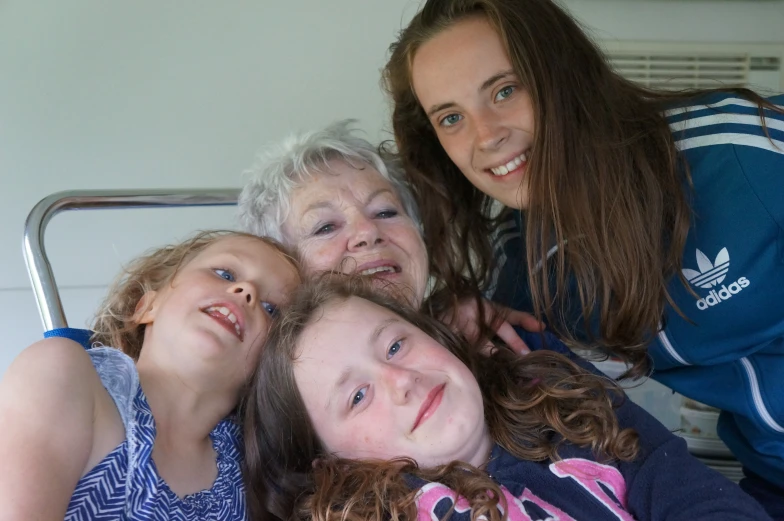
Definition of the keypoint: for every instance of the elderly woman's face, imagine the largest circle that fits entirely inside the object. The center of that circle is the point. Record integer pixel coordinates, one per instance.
(352, 220)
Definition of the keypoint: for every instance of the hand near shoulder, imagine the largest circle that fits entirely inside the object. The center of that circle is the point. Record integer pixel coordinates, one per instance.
(47, 410)
(502, 320)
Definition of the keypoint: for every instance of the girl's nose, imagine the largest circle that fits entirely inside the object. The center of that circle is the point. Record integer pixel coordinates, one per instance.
(247, 290)
(490, 133)
(401, 382)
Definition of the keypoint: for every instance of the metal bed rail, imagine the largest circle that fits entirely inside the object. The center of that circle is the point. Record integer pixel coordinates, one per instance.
(40, 270)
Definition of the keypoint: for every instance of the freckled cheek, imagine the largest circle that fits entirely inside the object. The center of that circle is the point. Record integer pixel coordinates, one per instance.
(354, 439)
(437, 357)
(359, 442)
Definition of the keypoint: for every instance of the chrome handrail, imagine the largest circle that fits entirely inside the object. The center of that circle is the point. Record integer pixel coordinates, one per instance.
(47, 297)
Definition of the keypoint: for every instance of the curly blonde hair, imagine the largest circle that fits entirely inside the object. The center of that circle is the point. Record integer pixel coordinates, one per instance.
(115, 321)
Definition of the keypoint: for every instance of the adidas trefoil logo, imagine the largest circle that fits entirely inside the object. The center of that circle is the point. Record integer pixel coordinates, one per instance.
(712, 274)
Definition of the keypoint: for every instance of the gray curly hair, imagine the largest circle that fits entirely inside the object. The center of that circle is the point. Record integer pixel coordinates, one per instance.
(265, 200)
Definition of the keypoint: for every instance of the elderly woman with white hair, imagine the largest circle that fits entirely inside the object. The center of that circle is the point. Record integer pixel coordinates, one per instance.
(344, 205)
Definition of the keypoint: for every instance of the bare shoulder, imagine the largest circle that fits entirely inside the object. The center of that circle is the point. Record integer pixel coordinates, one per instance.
(52, 365)
(49, 379)
(48, 402)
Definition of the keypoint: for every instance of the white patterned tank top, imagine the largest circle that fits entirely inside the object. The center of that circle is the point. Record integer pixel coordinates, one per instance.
(126, 485)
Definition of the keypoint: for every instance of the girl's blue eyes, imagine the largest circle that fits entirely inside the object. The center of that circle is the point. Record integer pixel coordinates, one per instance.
(270, 308)
(358, 397)
(225, 274)
(451, 119)
(504, 93)
(393, 349)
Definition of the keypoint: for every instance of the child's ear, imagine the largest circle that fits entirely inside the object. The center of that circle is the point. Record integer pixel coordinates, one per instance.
(146, 308)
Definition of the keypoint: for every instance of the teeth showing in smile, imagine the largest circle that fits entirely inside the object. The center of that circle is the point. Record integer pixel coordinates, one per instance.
(226, 313)
(371, 271)
(511, 165)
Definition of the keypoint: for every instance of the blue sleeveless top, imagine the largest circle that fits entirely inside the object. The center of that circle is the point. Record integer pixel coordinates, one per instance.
(126, 485)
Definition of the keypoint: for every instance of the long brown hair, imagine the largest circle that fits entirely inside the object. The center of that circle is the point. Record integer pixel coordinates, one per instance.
(606, 182)
(532, 404)
(116, 320)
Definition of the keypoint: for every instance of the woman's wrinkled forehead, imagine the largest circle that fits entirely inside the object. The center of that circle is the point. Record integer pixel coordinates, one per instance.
(339, 184)
(331, 160)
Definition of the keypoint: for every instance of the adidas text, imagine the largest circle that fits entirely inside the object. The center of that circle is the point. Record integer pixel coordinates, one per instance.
(716, 297)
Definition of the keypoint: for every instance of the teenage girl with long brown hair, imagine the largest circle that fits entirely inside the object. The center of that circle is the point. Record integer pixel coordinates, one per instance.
(351, 381)
(647, 224)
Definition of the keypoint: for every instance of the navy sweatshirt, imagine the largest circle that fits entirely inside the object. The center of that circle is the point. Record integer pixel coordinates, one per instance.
(664, 482)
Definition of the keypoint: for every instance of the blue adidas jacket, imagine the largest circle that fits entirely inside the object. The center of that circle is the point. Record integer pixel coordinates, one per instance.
(732, 355)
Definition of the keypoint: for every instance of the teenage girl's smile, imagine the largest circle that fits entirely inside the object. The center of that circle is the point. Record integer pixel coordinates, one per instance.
(514, 166)
(429, 405)
(481, 113)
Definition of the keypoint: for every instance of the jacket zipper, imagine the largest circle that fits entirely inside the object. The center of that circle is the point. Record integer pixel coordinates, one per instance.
(756, 394)
(665, 342)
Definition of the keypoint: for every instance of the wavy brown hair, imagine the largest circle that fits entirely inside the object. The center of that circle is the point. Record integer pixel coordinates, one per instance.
(605, 179)
(532, 404)
(116, 319)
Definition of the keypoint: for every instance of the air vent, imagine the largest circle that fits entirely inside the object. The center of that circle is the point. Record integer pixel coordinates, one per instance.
(765, 63)
(670, 65)
(683, 71)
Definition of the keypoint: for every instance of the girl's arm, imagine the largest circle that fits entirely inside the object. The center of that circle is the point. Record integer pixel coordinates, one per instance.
(47, 405)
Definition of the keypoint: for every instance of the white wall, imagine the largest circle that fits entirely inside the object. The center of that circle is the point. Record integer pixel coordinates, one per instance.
(683, 20)
(150, 94)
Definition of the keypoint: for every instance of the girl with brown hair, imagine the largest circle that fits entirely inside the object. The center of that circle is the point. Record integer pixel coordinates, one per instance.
(646, 224)
(364, 409)
(146, 428)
